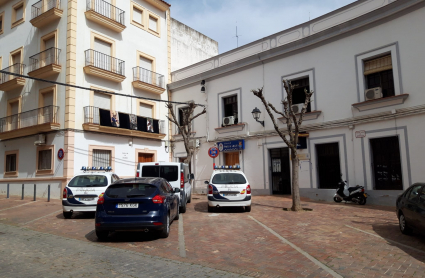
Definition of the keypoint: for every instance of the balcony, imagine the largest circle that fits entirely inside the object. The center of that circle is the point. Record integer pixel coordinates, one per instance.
(148, 80)
(35, 121)
(10, 82)
(105, 14)
(45, 12)
(45, 63)
(101, 120)
(104, 66)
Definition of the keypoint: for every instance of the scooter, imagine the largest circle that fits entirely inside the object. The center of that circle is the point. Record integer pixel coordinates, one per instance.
(356, 194)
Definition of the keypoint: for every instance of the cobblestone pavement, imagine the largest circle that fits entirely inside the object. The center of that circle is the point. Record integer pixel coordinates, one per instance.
(339, 240)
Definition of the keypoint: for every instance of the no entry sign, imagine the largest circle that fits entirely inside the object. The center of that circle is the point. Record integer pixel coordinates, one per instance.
(213, 152)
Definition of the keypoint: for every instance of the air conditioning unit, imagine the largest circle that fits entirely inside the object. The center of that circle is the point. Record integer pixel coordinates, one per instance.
(297, 108)
(228, 121)
(373, 93)
(40, 139)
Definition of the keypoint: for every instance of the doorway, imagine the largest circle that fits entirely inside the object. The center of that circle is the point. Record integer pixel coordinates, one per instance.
(386, 163)
(281, 172)
(231, 158)
(328, 165)
(145, 157)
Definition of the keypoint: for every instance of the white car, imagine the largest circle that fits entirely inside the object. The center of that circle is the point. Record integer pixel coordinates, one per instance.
(176, 173)
(82, 192)
(228, 187)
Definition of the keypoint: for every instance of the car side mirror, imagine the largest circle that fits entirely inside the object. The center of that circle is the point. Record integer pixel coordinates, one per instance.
(206, 182)
(176, 190)
(192, 176)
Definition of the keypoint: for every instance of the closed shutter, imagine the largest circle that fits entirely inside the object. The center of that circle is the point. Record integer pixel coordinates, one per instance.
(137, 16)
(101, 158)
(377, 65)
(145, 110)
(45, 160)
(103, 47)
(49, 43)
(14, 108)
(102, 101)
(19, 13)
(16, 59)
(145, 63)
(48, 99)
(153, 24)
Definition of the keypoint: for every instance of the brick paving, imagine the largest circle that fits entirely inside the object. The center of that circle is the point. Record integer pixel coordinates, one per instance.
(230, 241)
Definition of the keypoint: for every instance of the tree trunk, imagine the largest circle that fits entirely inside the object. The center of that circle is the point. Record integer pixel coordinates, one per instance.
(296, 202)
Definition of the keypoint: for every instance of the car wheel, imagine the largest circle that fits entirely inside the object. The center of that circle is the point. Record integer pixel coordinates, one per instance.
(406, 230)
(248, 208)
(166, 231)
(190, 198)
(102, 235)
(211, 209)
(67, 214)
(178, 214)
(183, 208)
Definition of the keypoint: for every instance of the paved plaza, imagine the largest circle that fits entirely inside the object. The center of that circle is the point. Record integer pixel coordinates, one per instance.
(332, 240)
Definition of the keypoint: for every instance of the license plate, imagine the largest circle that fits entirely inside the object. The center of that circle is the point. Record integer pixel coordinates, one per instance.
(136, 205)
(230, 195)
(86, 199)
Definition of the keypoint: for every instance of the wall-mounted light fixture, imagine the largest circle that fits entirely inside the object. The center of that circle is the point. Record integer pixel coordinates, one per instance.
(256, 114)
(167, 145)
(203, 86)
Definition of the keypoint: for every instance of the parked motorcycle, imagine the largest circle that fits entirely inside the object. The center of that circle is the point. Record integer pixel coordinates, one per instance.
(356, 194)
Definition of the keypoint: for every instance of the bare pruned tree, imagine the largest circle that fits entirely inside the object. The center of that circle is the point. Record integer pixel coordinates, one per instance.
(186, 128)
(290, 137)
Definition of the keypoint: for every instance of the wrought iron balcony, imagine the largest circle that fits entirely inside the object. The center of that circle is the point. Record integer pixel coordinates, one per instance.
(105, 14)
(45, 11)
(45, 63)
(30, 122)
(9, 82)
(104, 66)
(148, 80)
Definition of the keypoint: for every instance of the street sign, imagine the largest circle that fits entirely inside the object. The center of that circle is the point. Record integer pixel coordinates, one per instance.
(213, 152)
(61, 154)
(235, 145)
(360, 134)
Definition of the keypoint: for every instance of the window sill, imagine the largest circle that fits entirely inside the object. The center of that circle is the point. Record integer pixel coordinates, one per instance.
(153, 32)
(381, 102)
(44, 172)
(10, 174)
(138, 25)
(307, 116)
(16, 23)
(232, 128)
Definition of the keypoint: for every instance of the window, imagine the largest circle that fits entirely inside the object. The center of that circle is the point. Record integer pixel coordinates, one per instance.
(45, 160)
(101, 158)
(153, 23)
(181, 115)
(298, 94)
(127, 190)
(11, 163)
(145, 110)
(89, 180)
(18, 13)
(170, 173)
(1, 25)
(231, 107)
(229, 178)
(414, 193)
(137, 16)
(379, 73)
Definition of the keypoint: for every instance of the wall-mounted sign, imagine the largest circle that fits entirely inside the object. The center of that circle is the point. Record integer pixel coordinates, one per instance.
(303, 156)
(360, 134)
(213, 152)
(61, 154)
(235, 145)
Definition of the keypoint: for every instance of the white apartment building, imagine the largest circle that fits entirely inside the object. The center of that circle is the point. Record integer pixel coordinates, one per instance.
(364, 62)
(48, 131)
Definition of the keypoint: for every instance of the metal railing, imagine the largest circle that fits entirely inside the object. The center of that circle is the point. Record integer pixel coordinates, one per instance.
(17, 68)
(147, 76)
(42, 115)
(91, 115)
(106, 9)
(105, 62)
(44, 58)
(43, 6)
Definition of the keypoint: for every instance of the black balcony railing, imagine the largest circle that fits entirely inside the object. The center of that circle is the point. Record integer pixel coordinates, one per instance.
(147, 76)
(15, 68)
(105, 62)
(43, 6)
(44, 58)
(106, 9)
(42, 115)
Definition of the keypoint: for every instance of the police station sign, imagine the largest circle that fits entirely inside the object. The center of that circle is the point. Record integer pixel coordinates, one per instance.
(235, 145)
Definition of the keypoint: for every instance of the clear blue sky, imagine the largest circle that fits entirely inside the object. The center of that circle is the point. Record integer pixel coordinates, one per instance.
(255, 18)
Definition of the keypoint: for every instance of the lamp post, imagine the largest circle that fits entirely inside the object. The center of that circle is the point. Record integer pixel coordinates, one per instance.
(256, 114)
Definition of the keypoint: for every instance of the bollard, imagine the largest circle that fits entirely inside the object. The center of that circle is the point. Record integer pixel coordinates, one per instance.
(22, 192)
(35, 191)
(48, 193)
(7, 196)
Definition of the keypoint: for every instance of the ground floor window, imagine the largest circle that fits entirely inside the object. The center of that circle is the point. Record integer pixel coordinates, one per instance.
(45, 160)
(11, 163)
(101, 158)
(328, 165)
(145, 157)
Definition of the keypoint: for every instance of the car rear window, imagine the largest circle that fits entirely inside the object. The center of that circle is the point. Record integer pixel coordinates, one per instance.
(129, 190)
(170, 173)
(229, 178)
(89, 181)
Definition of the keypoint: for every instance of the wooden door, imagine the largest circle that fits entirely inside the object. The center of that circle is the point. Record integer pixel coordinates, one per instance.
(145, 157)
(231, 158)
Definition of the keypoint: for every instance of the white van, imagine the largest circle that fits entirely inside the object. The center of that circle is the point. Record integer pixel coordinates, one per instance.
(176, 173)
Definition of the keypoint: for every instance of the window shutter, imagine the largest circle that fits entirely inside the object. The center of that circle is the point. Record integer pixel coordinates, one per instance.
(145, 63)
(19, 13)
(102, 101)
(101, 158)
(137, 15)
(103, 47)
(145, 110)
(153, 24)
(377, 65)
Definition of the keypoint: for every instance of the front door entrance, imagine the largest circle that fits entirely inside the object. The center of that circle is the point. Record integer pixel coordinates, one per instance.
(231, 158)
(281, 172)
(145, 157)
(386, 163)
(328, 165)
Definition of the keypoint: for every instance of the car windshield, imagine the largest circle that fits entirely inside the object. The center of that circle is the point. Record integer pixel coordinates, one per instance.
(170, 173)
(89, 181)
(229, 178)
(130, 190)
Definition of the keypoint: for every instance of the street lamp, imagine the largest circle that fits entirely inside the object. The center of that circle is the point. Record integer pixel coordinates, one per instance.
(256, 114)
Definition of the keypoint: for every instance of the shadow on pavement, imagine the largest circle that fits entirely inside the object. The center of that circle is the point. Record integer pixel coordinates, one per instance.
(392, 234)
(79, 215)
(203, 207)
(136, 236)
